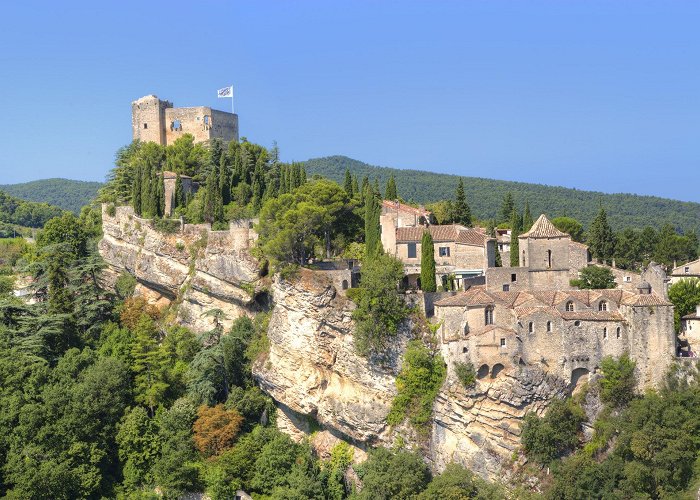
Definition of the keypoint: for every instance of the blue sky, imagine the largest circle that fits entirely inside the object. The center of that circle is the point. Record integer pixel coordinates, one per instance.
(586, 94)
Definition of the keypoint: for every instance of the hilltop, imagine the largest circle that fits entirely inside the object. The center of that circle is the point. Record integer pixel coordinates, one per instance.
(67, 194)
(485, 195)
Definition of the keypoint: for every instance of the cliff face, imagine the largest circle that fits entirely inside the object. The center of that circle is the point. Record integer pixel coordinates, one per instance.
(196, 267)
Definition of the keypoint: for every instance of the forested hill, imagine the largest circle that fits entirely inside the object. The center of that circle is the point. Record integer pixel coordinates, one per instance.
(485, 195)
(64, 193)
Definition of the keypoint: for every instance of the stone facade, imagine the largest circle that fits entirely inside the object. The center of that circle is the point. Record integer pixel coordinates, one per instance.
(154, 120)
(689, 336)
(189, 187)
(688, 270)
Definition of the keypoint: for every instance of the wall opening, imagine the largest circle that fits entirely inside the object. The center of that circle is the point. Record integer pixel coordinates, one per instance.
(570, 306)
(497, 368)
(176, 126)
(549, 259)
(345, 284)
(602, 305)
(579, 375)
(549, 326)
(482, 371)
(488, 316)
(145, 125)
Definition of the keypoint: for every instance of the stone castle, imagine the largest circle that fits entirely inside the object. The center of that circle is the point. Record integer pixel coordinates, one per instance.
(155, 120)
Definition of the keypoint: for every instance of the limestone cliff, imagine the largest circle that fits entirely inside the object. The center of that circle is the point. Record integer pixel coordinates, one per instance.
(196, 267)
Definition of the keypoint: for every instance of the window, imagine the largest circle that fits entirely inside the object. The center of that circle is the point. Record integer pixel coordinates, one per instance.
(345, 284)
(617, 332)
(605, 333)
(145, 125)
(549, 259)
(411, 250)
(513, 278)
(488, 316)
(687, 270)
(506, 288)
(549, 326)
(628, 279)
(602, 306)
(465, 350)
(176, 126)
(444, 251)
(503, 342)
(206, 119)
(570, 306)
(530, 327)
(577, 323)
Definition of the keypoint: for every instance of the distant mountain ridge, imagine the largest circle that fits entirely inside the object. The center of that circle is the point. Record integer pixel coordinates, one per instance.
(485, 195)
(67, 194)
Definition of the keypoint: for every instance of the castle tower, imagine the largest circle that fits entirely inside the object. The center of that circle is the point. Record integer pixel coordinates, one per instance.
(544, 247)
(148, 119)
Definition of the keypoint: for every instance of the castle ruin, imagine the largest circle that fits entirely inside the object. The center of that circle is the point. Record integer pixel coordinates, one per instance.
(155, 120)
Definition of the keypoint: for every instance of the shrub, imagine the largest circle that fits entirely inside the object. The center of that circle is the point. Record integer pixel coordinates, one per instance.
(111, 210)
(465, 373)
(387, 474)
(546, 438)
(215, 429)
(166, 226)
(125, 285)
(618, 382)
(594, 278)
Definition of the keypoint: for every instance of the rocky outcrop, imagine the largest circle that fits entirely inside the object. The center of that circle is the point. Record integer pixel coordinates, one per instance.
(196, 268)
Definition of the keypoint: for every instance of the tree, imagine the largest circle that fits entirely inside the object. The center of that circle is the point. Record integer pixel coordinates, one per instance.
(462, 212)
(618, 381)
(380, 309)
(685, 296)
(373, 242)
(601, 239)
(595, 278)
(459, 483)
(387, 475)
(507, 207)
(390, 193)
(347, 185)
(179, 198)
(549, 437)
(527, 217)
(139, 447)
(149, 365)
(427, 263)
(516, 223)
(215, 429)
(570, 226)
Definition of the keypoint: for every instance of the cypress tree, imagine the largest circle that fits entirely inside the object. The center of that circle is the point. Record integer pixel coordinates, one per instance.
(601, 239)
(462, 212)
(507, 208)
(136, 192)
(160, 194)
(516, 223)
(348, 183)
(355, 186)
(363, 189)
(373, 242)
(427, 263)
(390, 193)
(527, 217)
(377, 192)
(224, 181)
(179, 198)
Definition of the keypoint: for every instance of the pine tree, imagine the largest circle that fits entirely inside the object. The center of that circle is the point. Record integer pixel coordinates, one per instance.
(462, 212)
(348, 183)
(516, 224)
(507, 208)
(527, 217)
(390, 193)
(136, 192)
(149, 366)
(373, 243)
(427, 263)
(601, 239)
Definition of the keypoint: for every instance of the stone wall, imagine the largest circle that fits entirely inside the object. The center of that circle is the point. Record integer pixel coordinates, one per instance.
(148, 119)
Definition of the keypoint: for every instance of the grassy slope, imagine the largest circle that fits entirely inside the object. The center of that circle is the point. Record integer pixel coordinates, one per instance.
(485, 195)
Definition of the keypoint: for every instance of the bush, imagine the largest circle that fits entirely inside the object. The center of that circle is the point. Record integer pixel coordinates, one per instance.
(549, 437)
(465, 373)
(594, 278)
(111, 210)
(387, 475)
(125, 285)
(618, 382)
(458, 483)
(166, 226)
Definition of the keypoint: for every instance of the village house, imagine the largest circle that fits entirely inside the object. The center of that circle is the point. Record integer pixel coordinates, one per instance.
(689, 336)
(687, 270)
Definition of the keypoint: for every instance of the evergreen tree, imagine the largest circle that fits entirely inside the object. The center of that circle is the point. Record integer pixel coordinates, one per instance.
(516, 224)
(150, 365)
(427, 263)
(136, 193)
(355, 186)
(348, 183)
(160, 194)
(462, 212)
(527, 217)
(213, 209)
(363, 189)
(224, 181)
(179, 198)
(373, 243)
(507, 208)
(601, 239)
(390, 193)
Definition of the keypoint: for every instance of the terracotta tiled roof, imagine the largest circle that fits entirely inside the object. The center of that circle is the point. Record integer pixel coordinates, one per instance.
(475, 296)
(451, 232)
(592, 316)
(395, 205)
(522, 312)
(652, 299)
(505, 298)
(543, 228)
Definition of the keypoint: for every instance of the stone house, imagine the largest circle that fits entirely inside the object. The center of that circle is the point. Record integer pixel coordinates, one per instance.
(687, 270)
(689, 336)
(564, 332)
(402, 215)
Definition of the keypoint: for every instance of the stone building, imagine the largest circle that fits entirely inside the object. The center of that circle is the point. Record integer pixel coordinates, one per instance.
(687, 270)
(402, 215)
(689, 336)
(154, 120)
(189, 187)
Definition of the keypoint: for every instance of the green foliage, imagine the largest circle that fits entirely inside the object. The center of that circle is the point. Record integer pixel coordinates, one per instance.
(26, 213)
(427, 263)
(373, 234)
(380, 309)
(549, 437)
(618, 382)
(570, 226)
(462, 212)
(465, 373)
(601, 239)
(516, 226)
(125, 285)
(458, 483)
(390, 193)
(392, 474)
(418, 384)
(685, 296)
(166, 226)
(594, 278)
(139, 447)
(485, 196)
(63, 193)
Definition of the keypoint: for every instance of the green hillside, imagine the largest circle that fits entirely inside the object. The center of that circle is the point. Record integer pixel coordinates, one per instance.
(64, 193)
(485, 195)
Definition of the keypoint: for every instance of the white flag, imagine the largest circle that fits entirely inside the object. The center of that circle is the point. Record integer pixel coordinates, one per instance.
(225, 92)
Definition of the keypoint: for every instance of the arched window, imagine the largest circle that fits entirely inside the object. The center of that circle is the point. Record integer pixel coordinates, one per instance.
(549, 326)
(570, 306)
(488, 316)
(605, 333)
(345, 284)
(617, 332)
(530, 327)
(602, 305)
(549, 259)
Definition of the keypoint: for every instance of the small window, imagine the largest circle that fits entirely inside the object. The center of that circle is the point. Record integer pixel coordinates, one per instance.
(513, 277)
(345, 284)
(687, 270)
(488, 316)
(444, 251)
(145, 125)
(602, 305)
(628, 279)
(506, 288)
(570, 306)
(523, 264)
(206, 119)
(176, 126)
(617, 332)
(465, 350)
(605, 333)
(411, 250)
(503, 342)
(530, 327)
(577, 323)
(549, 326)
(549, 259)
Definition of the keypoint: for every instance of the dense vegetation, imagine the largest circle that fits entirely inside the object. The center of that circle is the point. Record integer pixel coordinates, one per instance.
(15, 213)
(63, 193)
(484, 196)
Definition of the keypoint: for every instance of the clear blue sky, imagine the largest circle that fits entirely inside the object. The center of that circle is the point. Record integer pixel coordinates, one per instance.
(593, 95)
